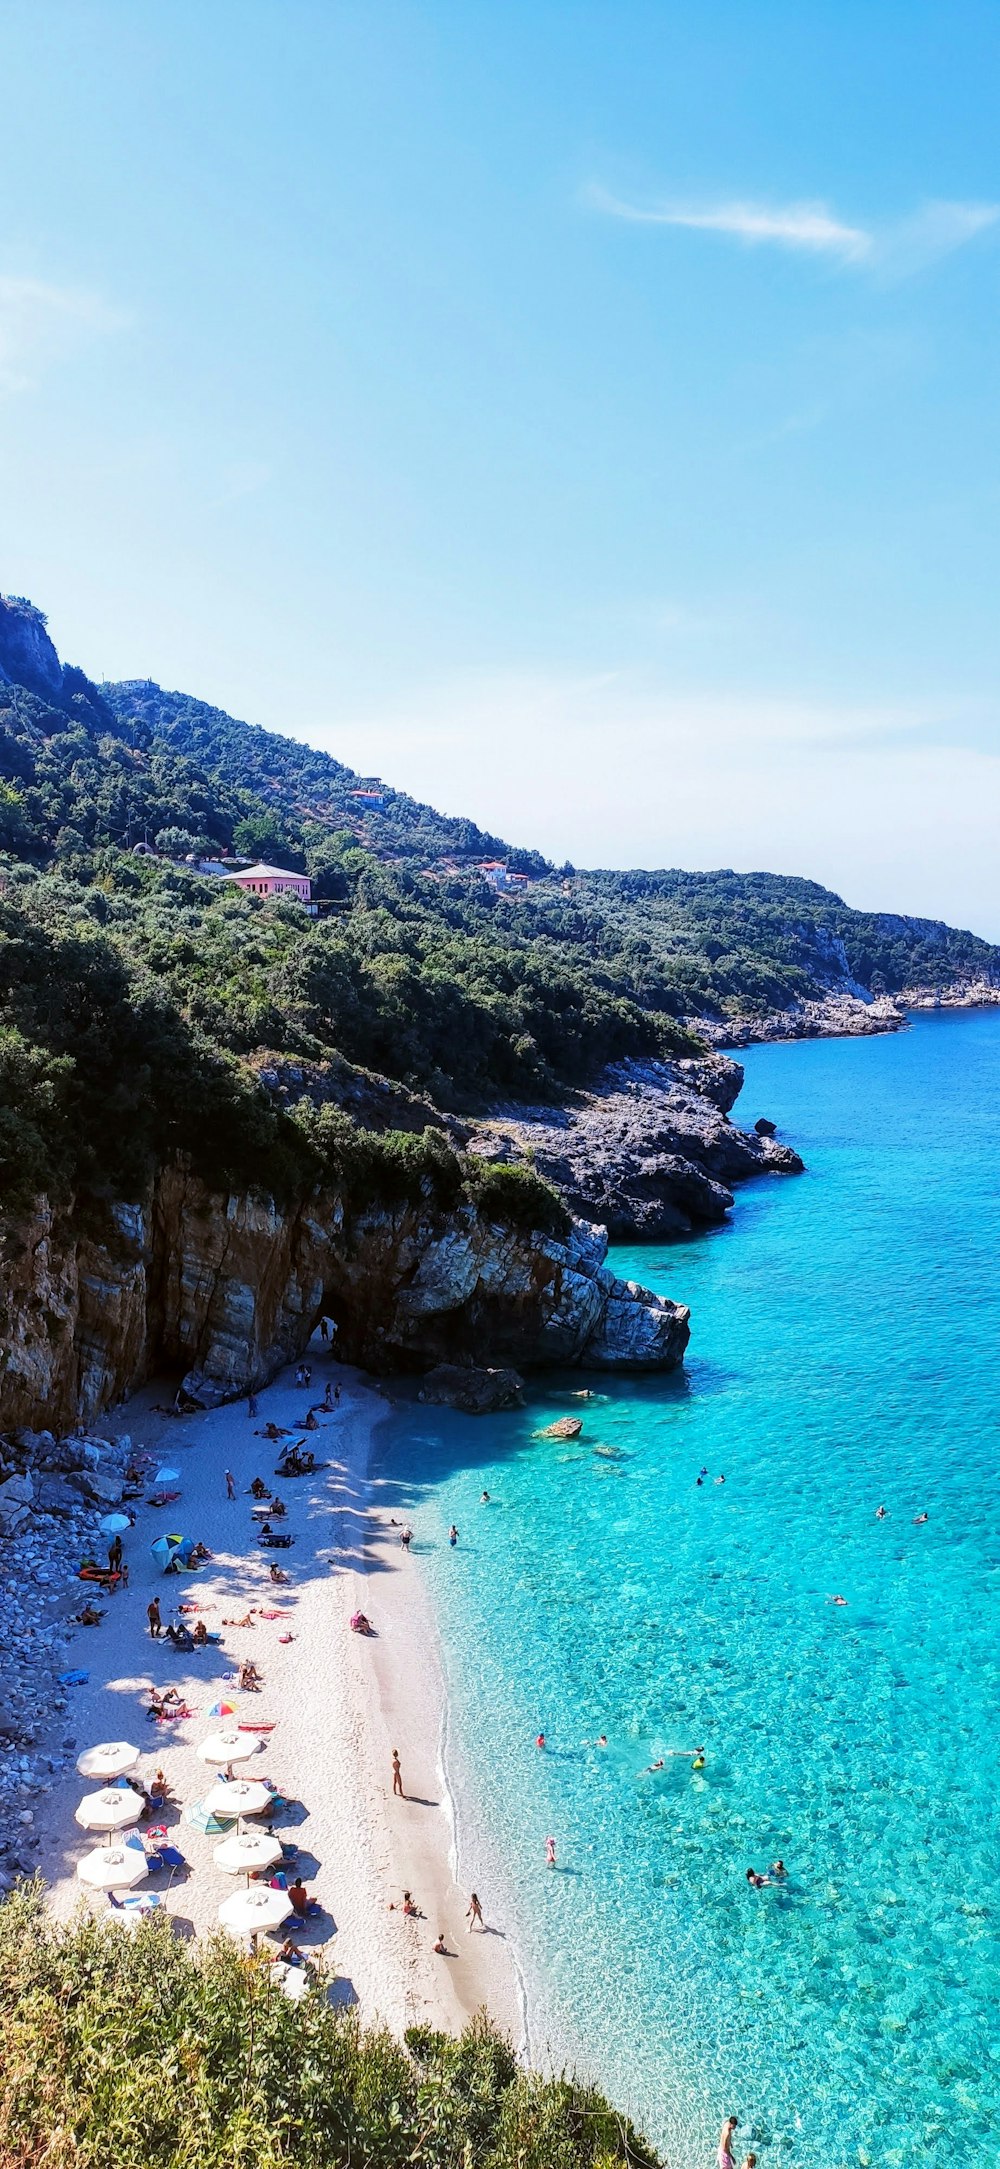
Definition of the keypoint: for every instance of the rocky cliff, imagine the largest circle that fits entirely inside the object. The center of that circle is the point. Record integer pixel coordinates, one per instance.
(650, 1152)
(222, 1290)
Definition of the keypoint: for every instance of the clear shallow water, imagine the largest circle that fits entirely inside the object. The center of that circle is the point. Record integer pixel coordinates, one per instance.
(846, 1336)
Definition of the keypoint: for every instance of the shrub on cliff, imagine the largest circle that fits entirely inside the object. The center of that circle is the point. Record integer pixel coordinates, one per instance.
(141, 2049)
(516, 1196)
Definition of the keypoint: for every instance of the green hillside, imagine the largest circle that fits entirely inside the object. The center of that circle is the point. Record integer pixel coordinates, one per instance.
(138, 997)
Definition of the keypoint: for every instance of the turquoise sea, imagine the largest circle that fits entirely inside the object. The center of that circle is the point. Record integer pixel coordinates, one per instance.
(845, 1354)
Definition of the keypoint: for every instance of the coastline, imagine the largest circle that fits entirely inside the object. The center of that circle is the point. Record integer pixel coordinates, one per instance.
(330, 1749)
(840, 1016)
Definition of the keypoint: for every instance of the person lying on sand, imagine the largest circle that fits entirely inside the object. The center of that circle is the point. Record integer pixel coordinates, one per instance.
(245, 1622)
(164, 1702)
(273, 1430)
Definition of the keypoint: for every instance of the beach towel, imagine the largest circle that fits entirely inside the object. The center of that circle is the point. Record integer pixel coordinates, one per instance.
(73, 1679)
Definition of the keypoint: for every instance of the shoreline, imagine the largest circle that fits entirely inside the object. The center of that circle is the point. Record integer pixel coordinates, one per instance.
(330, 1749)
(842, 1016)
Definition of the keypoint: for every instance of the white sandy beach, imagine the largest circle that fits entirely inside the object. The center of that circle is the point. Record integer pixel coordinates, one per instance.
(339, 1702)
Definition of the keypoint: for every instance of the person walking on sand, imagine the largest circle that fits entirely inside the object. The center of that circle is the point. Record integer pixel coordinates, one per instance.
(230, 1486)
(474, 1913)
(397, 1774)
(252, 1404)
(153, 1616)
(550, 1852)
(115, 1555)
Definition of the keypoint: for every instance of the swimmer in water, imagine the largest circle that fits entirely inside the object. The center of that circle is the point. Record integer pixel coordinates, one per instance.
(778, 1870)
(550, 1852)
(918, 1518)
(698, 1760)
(485, 1500)
(655, 1765)
(836, 1600)
(881, 1513)
(540, 1741)
(720, 1479)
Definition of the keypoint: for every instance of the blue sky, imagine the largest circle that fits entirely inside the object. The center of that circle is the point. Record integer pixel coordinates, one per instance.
(584, 416)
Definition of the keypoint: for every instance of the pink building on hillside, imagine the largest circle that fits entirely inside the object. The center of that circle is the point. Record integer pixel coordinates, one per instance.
(275, 881)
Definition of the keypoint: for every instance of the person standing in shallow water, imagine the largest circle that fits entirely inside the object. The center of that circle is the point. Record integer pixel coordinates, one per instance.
(453, 1536)
(726, 2143)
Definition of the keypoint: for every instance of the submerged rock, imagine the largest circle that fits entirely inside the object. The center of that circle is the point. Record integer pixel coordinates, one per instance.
(564, 1427)
(477, 1392)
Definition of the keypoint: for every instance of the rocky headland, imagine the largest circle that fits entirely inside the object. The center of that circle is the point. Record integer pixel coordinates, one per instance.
(219, 1291)
(650, 1151)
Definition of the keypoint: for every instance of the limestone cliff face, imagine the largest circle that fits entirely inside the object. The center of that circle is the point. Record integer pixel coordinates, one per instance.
(222, 1290)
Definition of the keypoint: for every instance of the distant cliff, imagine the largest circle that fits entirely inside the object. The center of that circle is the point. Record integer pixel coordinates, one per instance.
(221, 1290)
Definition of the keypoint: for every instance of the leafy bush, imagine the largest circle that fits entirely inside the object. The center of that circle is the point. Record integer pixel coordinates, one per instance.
(142, 2049)
(516, 1196)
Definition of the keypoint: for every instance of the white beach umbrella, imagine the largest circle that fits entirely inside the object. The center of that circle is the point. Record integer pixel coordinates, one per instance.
(114, 1867)
(114, 1524)
(111, 1809)
(246, 1850)
(111, 1759)
(249, 1912)
(227, 1747)
(167, 1476)
(237, 1796)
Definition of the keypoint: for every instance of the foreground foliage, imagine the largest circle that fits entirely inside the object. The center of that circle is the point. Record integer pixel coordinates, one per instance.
(127, 2049)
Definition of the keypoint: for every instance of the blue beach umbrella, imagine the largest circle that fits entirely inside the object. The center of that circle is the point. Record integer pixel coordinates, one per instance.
(114, 1524)
(184, 1547)
(164, 1548)
(201, 1818)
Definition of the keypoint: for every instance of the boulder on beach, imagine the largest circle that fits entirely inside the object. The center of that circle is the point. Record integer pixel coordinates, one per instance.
(477, 1391)
(564, 1427)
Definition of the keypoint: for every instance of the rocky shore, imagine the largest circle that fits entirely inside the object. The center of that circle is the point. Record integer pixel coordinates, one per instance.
(649, 1152)
(53, 1492)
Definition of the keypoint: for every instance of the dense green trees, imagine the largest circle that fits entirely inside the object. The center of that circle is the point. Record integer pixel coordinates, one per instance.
(126, 2049)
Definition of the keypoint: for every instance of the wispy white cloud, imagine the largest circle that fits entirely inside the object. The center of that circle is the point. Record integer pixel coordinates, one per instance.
(895, 247)
(37, 322)
(809, 226)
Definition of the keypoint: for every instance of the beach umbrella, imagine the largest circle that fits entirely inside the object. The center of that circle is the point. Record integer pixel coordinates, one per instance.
(248, 1912)
(201, 1817)
(223, 1709)
(110, 1809)
(114, 1867)
(227, 1747)
(236, 1796)
(247, 1851)
(167, 1476)
(111, 1759)
(114, 1524)
(164, 1548)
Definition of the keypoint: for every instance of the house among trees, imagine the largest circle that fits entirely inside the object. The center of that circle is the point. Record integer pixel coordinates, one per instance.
(500, 878)
(370, 799)
(275, 881)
